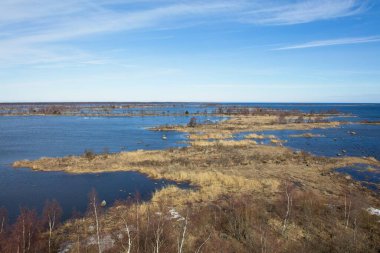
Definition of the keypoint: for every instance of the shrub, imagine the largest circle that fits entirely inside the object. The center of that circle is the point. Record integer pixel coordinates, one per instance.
(89, 154)
(192, 122)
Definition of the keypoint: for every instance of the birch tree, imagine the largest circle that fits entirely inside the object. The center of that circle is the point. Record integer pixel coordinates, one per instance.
(52, 213)
(94, 211)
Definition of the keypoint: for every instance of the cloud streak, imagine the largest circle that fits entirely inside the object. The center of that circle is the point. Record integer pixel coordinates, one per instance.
(299, 12)
(44, 20)
(31, 29)
(333, 42)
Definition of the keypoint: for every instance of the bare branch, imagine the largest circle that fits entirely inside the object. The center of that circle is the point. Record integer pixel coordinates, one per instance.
(180, 249)
(200, 246)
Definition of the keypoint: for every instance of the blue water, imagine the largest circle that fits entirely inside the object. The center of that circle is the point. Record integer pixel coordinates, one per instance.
(335, 141)
(35, 137)
(27, 188)
(369, 176)
(359, 111)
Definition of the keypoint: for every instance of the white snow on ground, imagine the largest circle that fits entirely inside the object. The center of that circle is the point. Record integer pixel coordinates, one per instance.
(374, 211)
(175, 215)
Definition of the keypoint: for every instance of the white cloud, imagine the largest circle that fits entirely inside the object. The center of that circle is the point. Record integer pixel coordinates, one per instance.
(45, 20)
(28, 28)
(333, 42)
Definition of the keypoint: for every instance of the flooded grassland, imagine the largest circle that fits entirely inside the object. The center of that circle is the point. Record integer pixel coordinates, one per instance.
(246, 196)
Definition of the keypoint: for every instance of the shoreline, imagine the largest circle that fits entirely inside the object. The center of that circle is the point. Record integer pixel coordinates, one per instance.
(224, 172)
(208, 136)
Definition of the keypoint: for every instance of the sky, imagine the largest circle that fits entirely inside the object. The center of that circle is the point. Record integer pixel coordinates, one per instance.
(190, 50)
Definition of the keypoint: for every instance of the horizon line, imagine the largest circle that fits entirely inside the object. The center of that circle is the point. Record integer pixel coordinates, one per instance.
(180, 102)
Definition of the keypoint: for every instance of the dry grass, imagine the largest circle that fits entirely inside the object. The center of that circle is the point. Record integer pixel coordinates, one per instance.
(229, 143)
(223, 171)
(306, 135)
(259, 136)
(210, 136)
(234, 223)
(255, 123)
(217, 167)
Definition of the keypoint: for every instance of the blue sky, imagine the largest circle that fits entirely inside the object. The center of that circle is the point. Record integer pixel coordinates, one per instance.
(198, 50)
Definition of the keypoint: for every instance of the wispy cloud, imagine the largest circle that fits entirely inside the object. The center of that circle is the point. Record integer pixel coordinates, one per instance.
(43, 20)
(298, 12)
(32, 30)
(333, 42)
(29, 27)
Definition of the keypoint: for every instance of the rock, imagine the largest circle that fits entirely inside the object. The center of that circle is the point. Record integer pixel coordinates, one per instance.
(106, 242)
(374, 211)
(175, 215)
(103, 203)
(348, 177)
(65, 248)
(224, 236)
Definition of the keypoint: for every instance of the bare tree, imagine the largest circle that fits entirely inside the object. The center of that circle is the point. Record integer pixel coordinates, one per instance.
(289, 199)
(263, 240)
(3, 219)
(3, 228)
(347, 211)
(158, 234)
(192, 122)
(203, 243)
(25, 231)
(300, 119)
(282, 119)
(128, 250)
(52, 213)
(182, 240)
(94, 209)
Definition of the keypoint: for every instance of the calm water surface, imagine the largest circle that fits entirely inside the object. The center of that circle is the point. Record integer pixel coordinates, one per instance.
(335, 141)
(34, 137)
(369, 176)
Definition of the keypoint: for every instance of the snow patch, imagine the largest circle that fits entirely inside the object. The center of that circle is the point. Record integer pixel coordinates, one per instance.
(374, 211)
